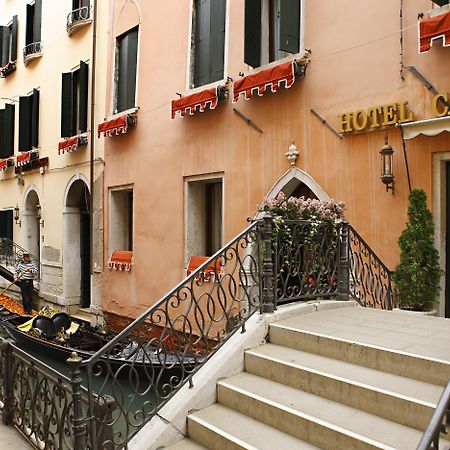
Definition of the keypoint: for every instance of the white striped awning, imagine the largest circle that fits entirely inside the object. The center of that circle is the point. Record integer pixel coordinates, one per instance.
(428, 127)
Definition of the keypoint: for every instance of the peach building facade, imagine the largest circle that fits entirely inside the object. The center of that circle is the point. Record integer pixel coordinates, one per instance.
(177, 187)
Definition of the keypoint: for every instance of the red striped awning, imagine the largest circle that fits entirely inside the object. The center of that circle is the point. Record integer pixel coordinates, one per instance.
(3, 164)
(434, 28)
(271, 78)
(23, 159)
(121, 260)
(116, 126)
(198, 101)
(68, 145)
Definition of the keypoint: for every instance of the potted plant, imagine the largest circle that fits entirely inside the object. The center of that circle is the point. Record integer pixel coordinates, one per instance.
(418, 274)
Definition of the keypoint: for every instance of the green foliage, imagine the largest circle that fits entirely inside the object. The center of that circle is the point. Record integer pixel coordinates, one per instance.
(418, 274)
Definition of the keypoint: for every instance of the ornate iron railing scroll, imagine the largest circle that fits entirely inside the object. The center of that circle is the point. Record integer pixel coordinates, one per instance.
(439, 423)
(306, 260)
(370, 281)
(11, 254)
(151, 359)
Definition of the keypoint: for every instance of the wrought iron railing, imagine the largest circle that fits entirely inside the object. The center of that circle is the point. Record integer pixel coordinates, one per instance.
(438, 424)
(144, 366)
(11, 254)
(76, 16)
(35, 48)
(370, 281)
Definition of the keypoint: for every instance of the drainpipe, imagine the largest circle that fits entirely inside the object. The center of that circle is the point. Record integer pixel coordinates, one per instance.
(93, 134)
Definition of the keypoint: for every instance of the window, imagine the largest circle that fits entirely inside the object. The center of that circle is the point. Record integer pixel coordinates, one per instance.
(208, 40)
(7, 131)
(6, 224)
(74, 101)
(33, 32)
(8, 43)
(272, 30)
(121, 219)
(126, 63)
(79, 16)
(29, 121)
(204, 217)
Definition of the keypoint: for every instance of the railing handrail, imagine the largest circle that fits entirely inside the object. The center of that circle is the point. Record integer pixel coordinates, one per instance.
(154, 307)
(433, 430)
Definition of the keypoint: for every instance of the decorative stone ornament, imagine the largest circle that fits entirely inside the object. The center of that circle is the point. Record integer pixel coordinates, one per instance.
(292, 154)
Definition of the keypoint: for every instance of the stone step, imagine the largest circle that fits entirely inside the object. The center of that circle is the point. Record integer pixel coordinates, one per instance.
(186, 444)
(319, 421)
(290, 334)
(403, 400)
(221, 428)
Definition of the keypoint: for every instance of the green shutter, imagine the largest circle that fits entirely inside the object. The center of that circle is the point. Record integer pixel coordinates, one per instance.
(83, 100)
(127, 60)
(2, 134)
(14, 39)
(66, 105)
(9, 129)
(217, 43)
(5, 46)
(35, 118)
(6, 224)
(29, 30)
(290, 26)
(202, 42)
(37, 21)
(252, 45)
(24, 124)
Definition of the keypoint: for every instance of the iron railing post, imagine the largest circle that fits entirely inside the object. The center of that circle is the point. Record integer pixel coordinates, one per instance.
(79, 420)
(343, 269)
(8, 382)
(268, 294)
(103, 409)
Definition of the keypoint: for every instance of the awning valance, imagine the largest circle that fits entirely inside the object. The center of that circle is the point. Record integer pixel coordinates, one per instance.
(428, 127)
(271, 78)
(23, 159)
(121, 260)
(68, 145)
(118, 125)
(197, 101)
(5, 163)
(434, 28)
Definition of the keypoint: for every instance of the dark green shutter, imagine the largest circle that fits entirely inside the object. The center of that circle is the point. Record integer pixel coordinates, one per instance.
(6, 224)
(252, 45)
(201, 42)
(75, 4)
(29, 30)
(5, 46)
(35, 118)
(9, 129)
(37, 21)
(66, 105)
(14, 39)
(85, 3)
(290, 26)
(217, 44)
(126, 91)
(2, 134)
(83, 101)
(24, 124)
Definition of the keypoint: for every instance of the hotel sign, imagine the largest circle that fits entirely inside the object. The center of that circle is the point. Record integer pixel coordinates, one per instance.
(388, 115)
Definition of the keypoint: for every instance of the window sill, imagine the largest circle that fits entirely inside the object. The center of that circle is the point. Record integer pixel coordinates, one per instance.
(129, 111)
(31, 52)
(78, 19)
(301, 58)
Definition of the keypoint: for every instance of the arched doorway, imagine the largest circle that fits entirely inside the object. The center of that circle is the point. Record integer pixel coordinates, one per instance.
(77, 244)
(31, 225)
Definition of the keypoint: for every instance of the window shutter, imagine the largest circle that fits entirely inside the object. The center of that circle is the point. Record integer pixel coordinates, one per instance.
(131, 68)
(75, 4)
(6, 224)
(85, 3)
(5, 46)
(1, 44)
(202, 42)
(252, 45)
(217, 44)
(24, 124)
(290, 26)
(14, 39)
(2, 134)
(29, 30)
(83, 101)
(123, 74)
(37, 21)
(9, 129)
(66, 105)
(35, 118)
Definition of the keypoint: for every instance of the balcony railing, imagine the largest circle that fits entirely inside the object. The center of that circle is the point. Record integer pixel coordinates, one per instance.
(78, 18)
(32, 51)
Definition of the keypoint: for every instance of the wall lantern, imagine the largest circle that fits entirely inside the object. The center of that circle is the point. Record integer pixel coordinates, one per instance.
(387, 176)
(39, 214)
(16, 215)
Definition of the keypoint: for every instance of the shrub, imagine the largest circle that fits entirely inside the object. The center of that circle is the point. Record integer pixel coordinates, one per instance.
(418, 273)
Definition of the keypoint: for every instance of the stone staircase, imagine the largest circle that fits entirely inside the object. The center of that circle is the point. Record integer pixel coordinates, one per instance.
(347, 378)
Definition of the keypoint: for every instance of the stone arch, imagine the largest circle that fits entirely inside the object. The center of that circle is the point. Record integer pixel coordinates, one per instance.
(129, 17)
(76, 242)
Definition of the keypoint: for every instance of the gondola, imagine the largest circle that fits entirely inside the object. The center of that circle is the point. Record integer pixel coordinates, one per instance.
(45, 337)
